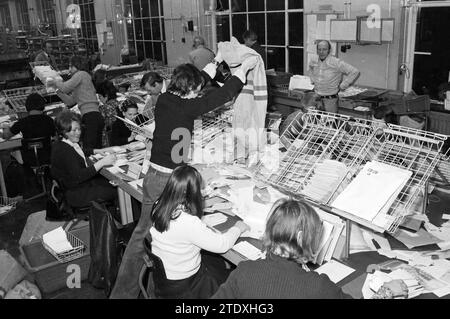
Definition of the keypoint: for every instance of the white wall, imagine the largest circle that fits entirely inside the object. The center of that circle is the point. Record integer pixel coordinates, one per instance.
(378, 63)
(176, 14)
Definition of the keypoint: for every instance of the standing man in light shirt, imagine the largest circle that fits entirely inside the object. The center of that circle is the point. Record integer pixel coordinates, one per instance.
(329, 76)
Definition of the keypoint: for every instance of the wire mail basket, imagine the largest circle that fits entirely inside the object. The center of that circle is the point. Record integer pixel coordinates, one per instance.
(142, 129)
(165, 71)
(415, 150)
(75, 253)
(441, 174)
(211, 124)
(326, 151)
(134, 79)
(17, 97)
(307, 139)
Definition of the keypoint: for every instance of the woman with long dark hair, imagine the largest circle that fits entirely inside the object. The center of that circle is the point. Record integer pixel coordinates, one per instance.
(178, 236)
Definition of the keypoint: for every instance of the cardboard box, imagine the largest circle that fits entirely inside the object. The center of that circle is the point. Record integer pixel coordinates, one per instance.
(11, 272)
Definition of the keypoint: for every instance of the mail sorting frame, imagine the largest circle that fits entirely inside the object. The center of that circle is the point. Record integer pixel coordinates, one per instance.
(211, 124)
(315, 136)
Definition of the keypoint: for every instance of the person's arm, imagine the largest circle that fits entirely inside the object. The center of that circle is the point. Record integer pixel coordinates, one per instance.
(70, 84)
(206, 238)
(351, 74)
(9, 132)
(227, 92)
(67, 99)
(310, 72)
(392, 289)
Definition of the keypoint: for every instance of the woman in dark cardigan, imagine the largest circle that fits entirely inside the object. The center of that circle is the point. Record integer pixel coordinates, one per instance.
(72, 168)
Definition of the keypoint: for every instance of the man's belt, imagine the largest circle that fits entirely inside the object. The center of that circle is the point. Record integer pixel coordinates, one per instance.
(334, 96)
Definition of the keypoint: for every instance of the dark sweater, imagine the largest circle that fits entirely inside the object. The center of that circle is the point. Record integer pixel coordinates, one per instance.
(172, 112)
(119, 133)
(81, 184)
(69, 167)
(33, 126)
(277, 278)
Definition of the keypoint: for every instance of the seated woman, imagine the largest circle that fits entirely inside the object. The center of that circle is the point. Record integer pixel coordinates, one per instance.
(109, 108)
(36, 124)
(120, 133)
(178, 235)
(291, 239)
(71, 166)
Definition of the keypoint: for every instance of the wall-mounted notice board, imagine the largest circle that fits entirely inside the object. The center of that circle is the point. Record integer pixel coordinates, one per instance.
(387, 30)
(343, 30)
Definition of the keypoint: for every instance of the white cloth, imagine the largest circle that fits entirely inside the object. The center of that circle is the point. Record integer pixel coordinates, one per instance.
(179, 247)
(250, 106)
(77, 148)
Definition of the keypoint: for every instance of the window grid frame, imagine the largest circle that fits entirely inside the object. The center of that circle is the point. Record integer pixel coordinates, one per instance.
(286, 12)
(142, 42)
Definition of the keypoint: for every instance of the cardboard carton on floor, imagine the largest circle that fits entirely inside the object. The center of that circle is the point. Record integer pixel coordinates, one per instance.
(11, 272)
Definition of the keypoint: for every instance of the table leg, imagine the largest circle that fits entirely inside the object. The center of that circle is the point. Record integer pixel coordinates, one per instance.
(348, 230)
(2, 181)
(126, 210)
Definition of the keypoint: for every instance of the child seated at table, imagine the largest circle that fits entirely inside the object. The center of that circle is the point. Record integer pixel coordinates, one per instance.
(291, 239)
(178, 236)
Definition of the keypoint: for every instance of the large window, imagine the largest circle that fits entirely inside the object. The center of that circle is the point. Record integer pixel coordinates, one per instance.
(145, 29)
(5, 17)
(47, 17)
(88, 31)
(22, 15)
(431, 63)
(278, 24)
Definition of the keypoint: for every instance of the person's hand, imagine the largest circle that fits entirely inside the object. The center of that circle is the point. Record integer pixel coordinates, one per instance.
(398, 287)
(218, 57)
(343, 87)
(132, 137)
(243, 227)
(108, 160)
(249, 63)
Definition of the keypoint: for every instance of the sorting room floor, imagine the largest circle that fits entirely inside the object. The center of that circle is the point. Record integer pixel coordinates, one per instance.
(11, 227)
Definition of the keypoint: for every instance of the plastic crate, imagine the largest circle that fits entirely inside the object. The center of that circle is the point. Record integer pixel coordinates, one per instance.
(49, 273)
(279, 79)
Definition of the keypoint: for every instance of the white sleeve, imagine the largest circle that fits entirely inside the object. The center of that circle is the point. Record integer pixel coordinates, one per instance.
(207, 239)
(210, 69)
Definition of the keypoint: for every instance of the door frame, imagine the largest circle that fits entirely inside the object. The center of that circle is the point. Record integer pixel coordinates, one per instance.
(411, 11)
